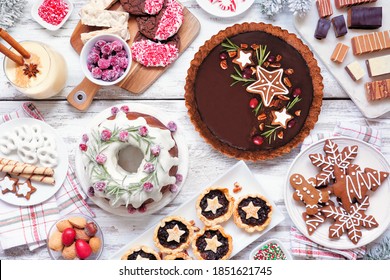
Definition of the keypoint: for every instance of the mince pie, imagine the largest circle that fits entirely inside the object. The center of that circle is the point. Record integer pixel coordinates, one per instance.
(212, 243)
(180, 256)
(141, 253)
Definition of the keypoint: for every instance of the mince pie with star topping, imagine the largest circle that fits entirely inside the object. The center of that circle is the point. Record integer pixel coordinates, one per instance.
(214, 205)
(252, 212)
(212, 243)
(141, 253)
(180, 256)
(173, 234)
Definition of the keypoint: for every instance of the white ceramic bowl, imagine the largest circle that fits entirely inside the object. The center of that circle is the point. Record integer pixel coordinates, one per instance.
(87, 49)
(273, 240)
(48, 26)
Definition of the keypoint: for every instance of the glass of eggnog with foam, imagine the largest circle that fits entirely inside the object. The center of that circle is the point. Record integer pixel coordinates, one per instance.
(43, 75)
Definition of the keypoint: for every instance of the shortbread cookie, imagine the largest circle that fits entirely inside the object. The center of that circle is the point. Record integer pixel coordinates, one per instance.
(163, 25)
(142, 7)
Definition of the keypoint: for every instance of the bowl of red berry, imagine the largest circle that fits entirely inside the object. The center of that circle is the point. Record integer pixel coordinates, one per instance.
(75, 237)
(105, 59)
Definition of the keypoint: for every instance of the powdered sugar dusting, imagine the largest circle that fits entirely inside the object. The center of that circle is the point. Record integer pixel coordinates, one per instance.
(170, 22)
(152, 54)
(152, 7)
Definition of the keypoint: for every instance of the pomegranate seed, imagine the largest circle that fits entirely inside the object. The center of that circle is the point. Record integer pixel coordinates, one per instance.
(257, 140)
(223, 55)
(253, 103)
(291, 123)
(297, 92)
(271, 58)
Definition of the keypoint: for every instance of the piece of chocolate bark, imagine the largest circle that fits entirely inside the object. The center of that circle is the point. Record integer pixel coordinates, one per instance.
(322, 28)
(378, 66)
(355, 71)
(378, 90)
(339, 26)
(364, 17)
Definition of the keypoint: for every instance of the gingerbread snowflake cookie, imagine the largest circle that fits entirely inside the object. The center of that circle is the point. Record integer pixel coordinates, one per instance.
(214, 205)
(173, 234)
(212, 243)
(8, 184)
(252, 212)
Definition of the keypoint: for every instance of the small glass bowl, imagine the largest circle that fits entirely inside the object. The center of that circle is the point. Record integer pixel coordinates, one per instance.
(48, 26)
(57, 255)
(277, 242)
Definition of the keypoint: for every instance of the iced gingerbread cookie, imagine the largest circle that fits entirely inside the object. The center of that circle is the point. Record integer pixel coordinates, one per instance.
(350, 222)
(163, 25)
(25, 189)
(313, 221)
(142, 7)
(8, 184)
(155, 54)
(306, 191)
(354, 186)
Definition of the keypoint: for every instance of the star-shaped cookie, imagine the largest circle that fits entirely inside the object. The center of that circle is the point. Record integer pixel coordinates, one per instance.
(212, 244)
(251, 211)
(8, 184)
(174, 234)
(268, 85)
(243, 59)
(25, 189)
(281, 117)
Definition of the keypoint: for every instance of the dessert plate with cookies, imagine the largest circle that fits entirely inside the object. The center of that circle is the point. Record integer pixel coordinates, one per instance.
(33, 161)
(337, 193)
(222, 219)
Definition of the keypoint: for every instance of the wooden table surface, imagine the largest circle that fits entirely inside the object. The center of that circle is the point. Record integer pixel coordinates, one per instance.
(166, 94)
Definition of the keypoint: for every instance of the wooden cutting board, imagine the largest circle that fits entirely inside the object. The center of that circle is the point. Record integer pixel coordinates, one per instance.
(139, 77)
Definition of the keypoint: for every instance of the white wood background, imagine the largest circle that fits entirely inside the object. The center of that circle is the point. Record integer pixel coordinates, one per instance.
(166, 94)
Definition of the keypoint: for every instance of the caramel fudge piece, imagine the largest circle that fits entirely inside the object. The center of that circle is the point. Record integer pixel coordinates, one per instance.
(339, 53)
(324, 8)
(364, 17)
(339, 26)
(371, 42)
(378, 66)
(322, 28)
(347, 3)
(378, 90)
(355, 71)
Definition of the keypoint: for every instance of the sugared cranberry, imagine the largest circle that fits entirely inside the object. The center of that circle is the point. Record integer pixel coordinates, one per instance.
(83, 147)
(297, 92)
(258, 140)
(253, 103)
(291, 123)
(131, 209)
(223, 55)
(271, 58)
(142, 209)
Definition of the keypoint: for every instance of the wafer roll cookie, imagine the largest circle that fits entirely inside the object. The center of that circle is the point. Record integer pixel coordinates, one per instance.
(26, 169)
(6, 161)
(39, 178)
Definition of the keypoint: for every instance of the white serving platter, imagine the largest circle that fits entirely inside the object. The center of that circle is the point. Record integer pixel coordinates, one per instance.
(379, 207)
(238, 173)
(306, 26)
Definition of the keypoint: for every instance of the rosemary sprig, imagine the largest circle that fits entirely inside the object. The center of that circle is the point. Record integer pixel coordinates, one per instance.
(238, 78)
(258, 107)
(261, 54)
(229, 46)
(292, 103)
(271, 133)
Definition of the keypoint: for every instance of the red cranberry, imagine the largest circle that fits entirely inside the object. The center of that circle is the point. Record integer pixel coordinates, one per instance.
(258, 140)
(83, 147)
(271, 58)
(297, 92)
(253, 103)
(223, 55)
(291, 123)
(247, 73)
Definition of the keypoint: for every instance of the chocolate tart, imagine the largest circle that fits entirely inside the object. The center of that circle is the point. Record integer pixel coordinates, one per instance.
(180, 256)
(214, 205)
(212, 243)
(173, 234)
(239, 112)
(252, 212)
(141, 253)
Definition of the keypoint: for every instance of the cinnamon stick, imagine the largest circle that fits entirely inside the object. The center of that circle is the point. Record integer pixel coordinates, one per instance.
(11, 55)
(10, 40)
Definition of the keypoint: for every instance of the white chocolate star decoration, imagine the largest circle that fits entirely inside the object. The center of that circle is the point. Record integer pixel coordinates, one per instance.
(281, 118)
(213, 205)
(268, 85)
(251, 211)
(243, 59)
(174, 234)
(212, 244)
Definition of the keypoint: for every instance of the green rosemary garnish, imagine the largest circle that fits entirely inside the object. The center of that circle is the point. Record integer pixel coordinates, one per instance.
(292, 103)
(261, 54)
(229, 46)
(271, 133)
(257, 109)
(238, 78)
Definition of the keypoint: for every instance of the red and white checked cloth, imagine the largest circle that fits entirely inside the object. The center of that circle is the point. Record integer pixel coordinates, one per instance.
(30, 225)
(304, 247)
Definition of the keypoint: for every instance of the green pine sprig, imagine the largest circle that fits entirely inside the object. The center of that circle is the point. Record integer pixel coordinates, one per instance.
(229, 46)
(262, 54)
(271, 133)
(239, 78)
(292, 103)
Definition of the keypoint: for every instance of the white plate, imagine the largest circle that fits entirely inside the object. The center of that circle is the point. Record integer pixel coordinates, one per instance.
(182, 167)
(43, 191)
(324, 49)
(215, 10)
(368, 156)
(48, 26)
(238, 173)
